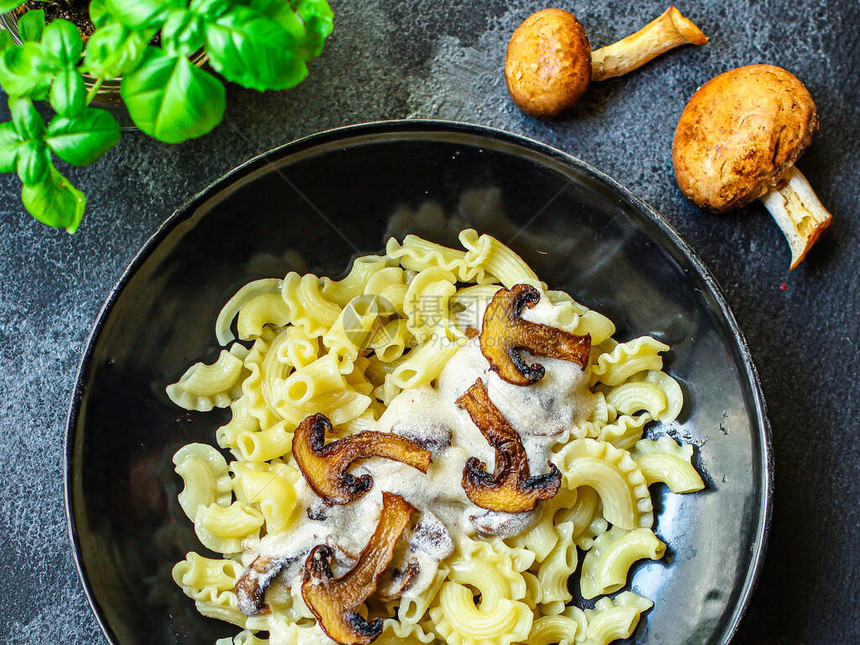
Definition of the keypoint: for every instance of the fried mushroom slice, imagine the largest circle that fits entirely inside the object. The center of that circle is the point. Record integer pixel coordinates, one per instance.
(325, 467)
(504, 334)
(333, 601)
(251, 586)
(510, 488)
(396, 581)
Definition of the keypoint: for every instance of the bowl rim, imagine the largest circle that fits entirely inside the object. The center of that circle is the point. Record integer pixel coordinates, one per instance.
(430, 127)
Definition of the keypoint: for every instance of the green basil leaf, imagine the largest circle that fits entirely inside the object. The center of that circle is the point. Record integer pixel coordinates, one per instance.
(99, 14)
(6, 41)
(28, 122)
(54, 201)
(23, 72)
(83, 139)
(182, 33)
(209, 9)
(9, 5)
(319, 23)
(62, 43)
(253, 51)
(32, 162)
(31, 25)
(142, 13)
(68, 93)
(10, 143)
(170, 99)
(114, 50)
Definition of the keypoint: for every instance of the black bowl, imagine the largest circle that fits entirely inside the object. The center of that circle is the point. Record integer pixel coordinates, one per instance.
(312, 205)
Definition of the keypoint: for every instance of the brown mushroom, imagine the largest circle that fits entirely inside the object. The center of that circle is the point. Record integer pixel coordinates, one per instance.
(251, 586)
(549, 63)
(333, 601)
(395, 582)
(504, 334)
(738, 139)
(326, 467)
(510, 488)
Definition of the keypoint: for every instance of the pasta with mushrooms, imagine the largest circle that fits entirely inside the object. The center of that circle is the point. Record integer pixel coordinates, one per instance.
(419, 453)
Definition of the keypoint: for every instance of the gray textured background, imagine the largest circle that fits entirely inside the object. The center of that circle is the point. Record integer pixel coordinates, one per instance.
(427, 58)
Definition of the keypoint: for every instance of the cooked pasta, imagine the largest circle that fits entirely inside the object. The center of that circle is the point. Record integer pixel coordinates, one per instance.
(392, 348)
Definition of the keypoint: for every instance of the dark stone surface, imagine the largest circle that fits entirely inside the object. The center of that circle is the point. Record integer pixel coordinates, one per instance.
(444, 60)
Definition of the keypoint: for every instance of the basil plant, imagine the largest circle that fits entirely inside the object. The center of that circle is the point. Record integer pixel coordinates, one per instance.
(148, 44)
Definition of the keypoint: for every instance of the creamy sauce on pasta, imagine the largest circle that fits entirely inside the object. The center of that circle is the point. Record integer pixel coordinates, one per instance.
(543, 414)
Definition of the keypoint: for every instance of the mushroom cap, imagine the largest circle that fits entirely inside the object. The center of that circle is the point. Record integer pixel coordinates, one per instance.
(548, 64)
(739, 134)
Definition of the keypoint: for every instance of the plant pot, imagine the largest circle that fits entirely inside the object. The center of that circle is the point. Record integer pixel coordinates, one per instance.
(108, 97)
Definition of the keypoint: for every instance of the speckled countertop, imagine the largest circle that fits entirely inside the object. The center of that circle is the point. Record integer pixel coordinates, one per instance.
(444, 60)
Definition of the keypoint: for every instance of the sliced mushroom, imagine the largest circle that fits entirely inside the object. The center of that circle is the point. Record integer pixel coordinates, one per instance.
(549, 62)
(333, 601)
(434, 436)
(504, 333)
(510, 488)
(325, 467)
(432, 538)
(251, 586)
(504, 525)
(738, 139)
(395, 582)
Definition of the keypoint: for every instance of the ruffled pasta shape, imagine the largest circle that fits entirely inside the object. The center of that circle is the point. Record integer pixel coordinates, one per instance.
(205, 477)
(420, 366)
(426, 305)
(355, 327)
(318, 387)
(412, 609)
(264, 445)
(637, 396)
(613, 619)
(270, 488)
(418, 254)
(266, 309)
(390, 340)
(256, 385)
(203, 387)
(390, 285)
(606, 565)
(362, 271)
(554, 571)
(671, 388)
(626, 359)
(209, 582)
(241, 421)
(565, 628)
(229, 311)
(624, 431)
(495, 571)
(586, 517)
(222, 528)
(665, 461)
(542, 537)
(312, 312)
(285, 632)
(496, 259)
(614, 475)
(206, 579)
(395, 632)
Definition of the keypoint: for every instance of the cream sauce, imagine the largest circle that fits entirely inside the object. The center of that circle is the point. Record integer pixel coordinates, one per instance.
(542, 413)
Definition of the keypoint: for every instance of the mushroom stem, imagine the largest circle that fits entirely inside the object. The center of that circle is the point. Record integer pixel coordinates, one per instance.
(798, 212)
(669, 30)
